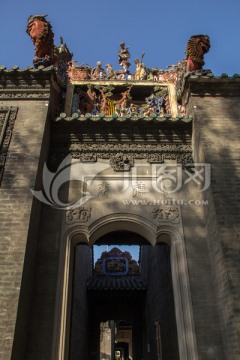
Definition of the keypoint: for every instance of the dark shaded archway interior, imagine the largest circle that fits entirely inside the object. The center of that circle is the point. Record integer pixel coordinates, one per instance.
(143, 305)
(121, 238)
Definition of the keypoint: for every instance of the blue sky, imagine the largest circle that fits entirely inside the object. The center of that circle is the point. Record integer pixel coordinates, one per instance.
(93, 30)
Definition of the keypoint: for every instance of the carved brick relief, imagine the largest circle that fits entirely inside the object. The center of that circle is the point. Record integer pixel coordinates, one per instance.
(7, 119)
(21, 84)
(121, 156)
(81, 214)
(121, 144)
(167, 213)
(31, 94)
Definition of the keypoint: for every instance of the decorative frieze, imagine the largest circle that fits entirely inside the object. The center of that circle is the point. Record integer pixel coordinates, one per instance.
(20, 94)
(135, 148)
(25, 84)
(26, 79)
(121, 162)
(121, 156)
(7, 119)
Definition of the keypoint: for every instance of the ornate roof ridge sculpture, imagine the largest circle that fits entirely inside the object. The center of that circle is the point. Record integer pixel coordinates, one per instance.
(201, 74)
(46, 53)
(116, 263)
(40, 31)
(197, 47)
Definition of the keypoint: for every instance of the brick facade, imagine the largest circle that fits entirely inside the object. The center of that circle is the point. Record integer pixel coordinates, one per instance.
(32, 234)
(216, 140)
(20, 213)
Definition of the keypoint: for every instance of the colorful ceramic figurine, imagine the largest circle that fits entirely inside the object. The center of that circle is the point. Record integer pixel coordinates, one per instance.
(98, 72)
(137, 71)
(155, 103)
(109, 71)
(40, 31)
(141, 71)
(123, 56)
(197, 46)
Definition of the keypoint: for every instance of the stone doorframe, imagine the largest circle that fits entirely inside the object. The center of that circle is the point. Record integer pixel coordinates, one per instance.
(153, 234)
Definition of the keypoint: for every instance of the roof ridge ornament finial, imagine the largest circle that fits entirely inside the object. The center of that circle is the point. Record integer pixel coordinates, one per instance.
(197, 47)
(46, 53)
(40, 31)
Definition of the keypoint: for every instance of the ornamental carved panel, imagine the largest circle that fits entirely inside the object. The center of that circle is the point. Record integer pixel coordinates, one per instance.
(81, 214)
(167, 213)
(7, 119)
(121, 143)
(121, 156)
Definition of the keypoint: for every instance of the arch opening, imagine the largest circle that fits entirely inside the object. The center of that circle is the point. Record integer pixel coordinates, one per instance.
(117, 287)
(122, 240)
(99, 302)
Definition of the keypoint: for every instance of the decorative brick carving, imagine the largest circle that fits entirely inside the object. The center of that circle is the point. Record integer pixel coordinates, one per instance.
(27, 78)
(81, 214)
(167, 213)
(104, 189)
(90, 157)
(24, 94)
(7, 119)
(121, 162)
(122, 155)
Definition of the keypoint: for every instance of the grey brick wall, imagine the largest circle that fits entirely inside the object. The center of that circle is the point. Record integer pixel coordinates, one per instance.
(203, 295)
(216, 140)
(30, 233)
(16, 206)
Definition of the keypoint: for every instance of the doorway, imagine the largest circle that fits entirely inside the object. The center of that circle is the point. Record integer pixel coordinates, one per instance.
(118, 300)
(115, 340)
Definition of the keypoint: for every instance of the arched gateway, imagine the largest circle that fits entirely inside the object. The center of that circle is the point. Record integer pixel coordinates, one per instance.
(140, 300)
(118, 157)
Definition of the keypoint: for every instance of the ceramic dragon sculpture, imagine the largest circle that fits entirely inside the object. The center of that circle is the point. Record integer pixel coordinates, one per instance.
(40, 31)
(197, 47)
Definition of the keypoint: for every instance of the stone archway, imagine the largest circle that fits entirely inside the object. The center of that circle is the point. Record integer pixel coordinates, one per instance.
(181, 288)
(123, 221)
(153, 234)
